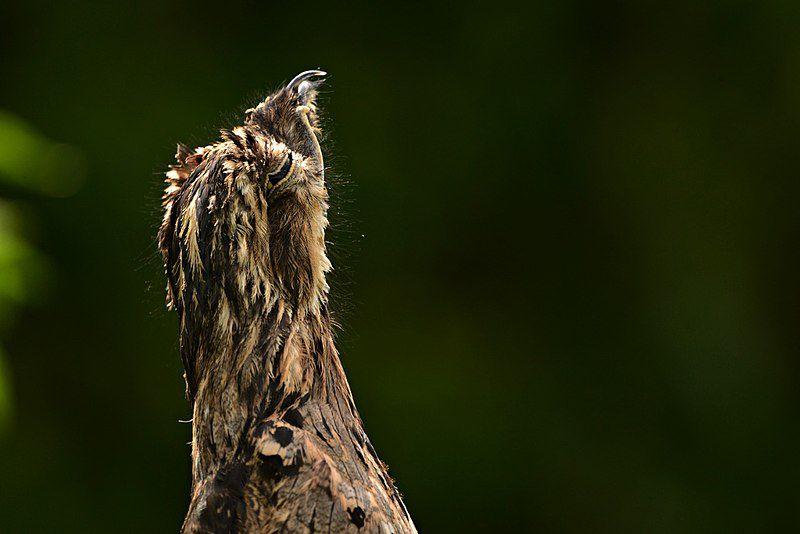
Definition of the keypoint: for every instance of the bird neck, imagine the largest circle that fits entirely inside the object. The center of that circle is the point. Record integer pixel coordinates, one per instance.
(259, 339)
(267, 364)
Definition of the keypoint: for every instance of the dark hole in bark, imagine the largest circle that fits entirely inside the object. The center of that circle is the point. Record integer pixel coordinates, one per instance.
(357, 516)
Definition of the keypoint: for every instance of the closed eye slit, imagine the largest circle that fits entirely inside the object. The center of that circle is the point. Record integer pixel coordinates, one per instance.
(282, 172)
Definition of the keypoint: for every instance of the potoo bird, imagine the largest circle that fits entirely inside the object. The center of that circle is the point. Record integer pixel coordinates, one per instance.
(277, 442)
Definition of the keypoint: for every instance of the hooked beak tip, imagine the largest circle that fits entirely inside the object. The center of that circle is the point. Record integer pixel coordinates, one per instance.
(305, 76)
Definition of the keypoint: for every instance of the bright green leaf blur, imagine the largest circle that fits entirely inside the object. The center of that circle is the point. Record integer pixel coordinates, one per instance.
(29, 162)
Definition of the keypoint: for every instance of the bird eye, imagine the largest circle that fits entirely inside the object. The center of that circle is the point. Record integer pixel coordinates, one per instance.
(281, 173)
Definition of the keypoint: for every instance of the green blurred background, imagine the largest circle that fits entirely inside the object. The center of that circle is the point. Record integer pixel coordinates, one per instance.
(565, 239)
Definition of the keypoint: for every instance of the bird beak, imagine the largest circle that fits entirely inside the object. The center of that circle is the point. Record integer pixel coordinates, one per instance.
(303, 85)
(304, 82)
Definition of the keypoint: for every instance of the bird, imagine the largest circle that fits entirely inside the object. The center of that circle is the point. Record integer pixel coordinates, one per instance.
(277, 442)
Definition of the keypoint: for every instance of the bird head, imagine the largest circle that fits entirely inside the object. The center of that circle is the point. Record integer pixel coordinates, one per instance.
(289, 116)
(244, 217)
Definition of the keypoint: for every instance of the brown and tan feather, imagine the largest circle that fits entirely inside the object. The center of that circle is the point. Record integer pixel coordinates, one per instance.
(277, 443)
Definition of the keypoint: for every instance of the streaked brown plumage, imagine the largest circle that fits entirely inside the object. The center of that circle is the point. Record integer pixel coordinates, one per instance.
(278, 445)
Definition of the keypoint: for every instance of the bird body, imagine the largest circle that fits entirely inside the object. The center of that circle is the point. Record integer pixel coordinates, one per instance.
(277, 442)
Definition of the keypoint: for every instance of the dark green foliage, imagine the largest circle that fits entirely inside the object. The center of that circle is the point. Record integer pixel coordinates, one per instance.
(569, 255)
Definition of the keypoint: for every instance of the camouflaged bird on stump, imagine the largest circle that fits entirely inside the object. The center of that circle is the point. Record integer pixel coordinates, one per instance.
(277, 443)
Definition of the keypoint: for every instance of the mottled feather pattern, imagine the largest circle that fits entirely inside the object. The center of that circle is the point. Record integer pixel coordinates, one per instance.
(277, 443)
